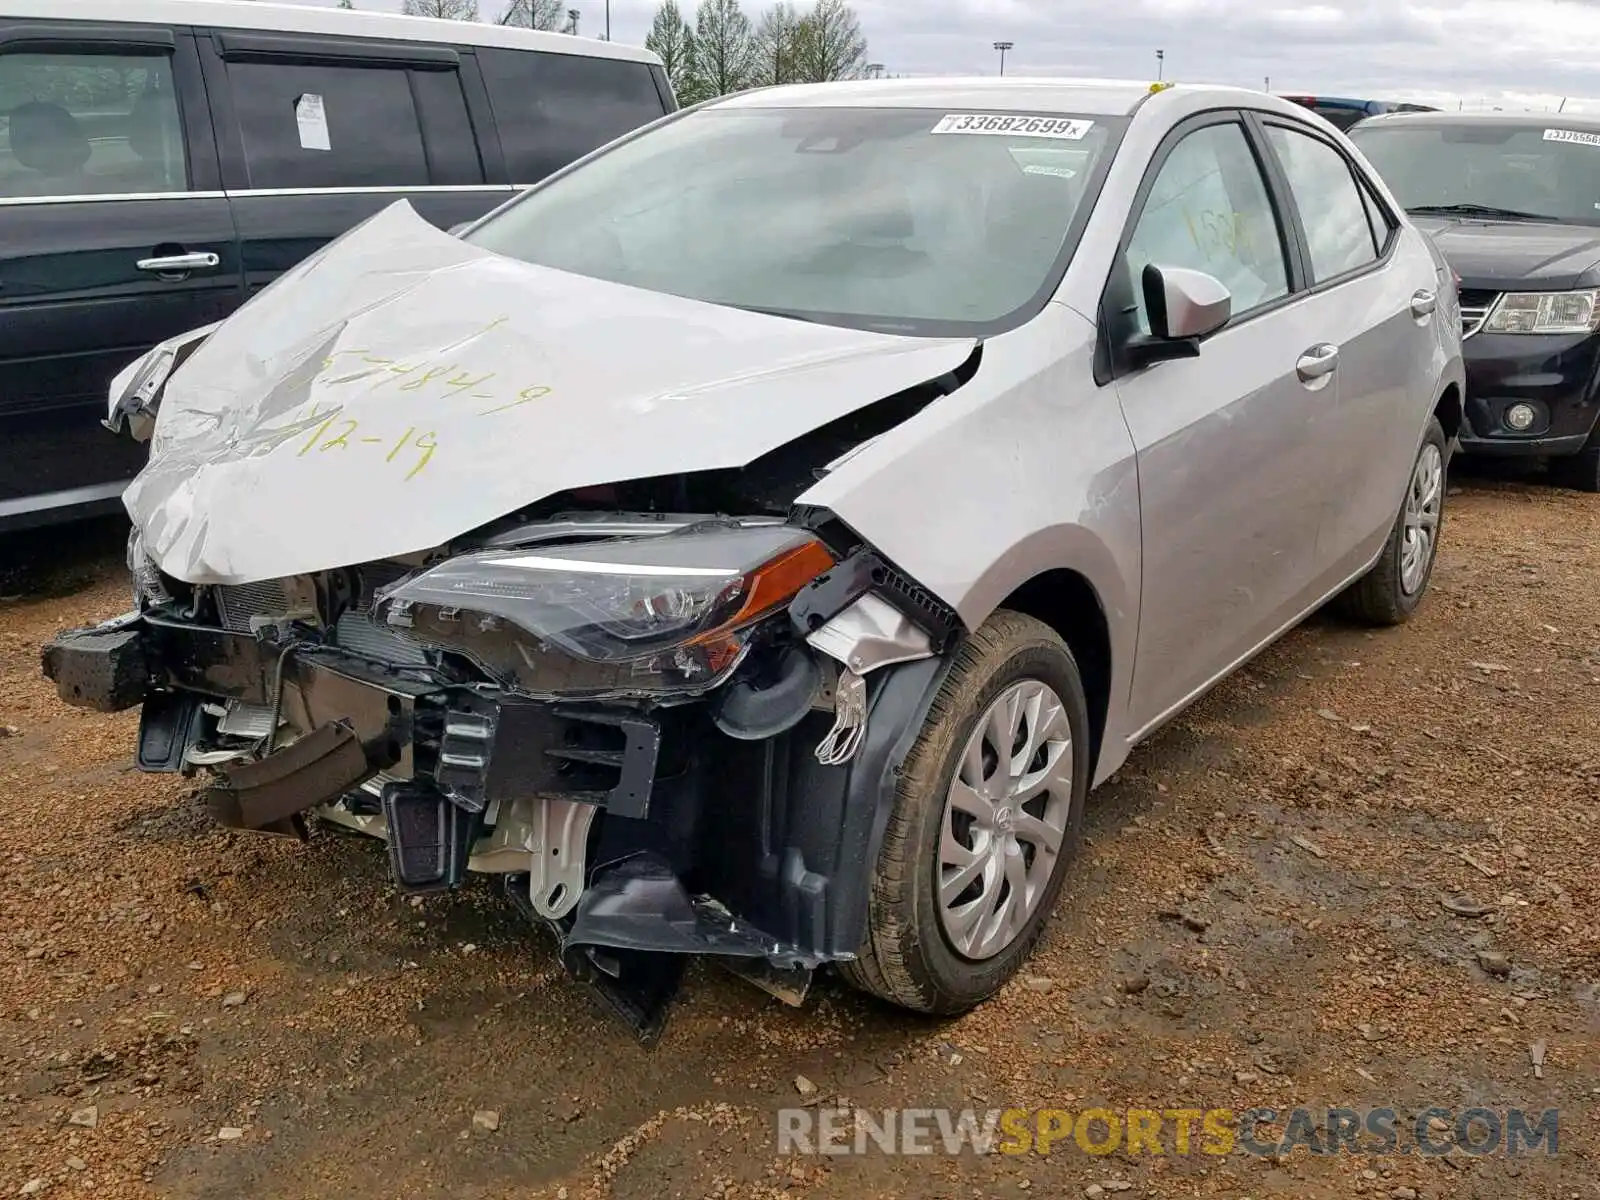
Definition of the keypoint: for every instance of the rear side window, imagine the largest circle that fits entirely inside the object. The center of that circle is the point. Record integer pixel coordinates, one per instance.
(1339, 233)
(89, 124)
(320, 126)
(551, 109)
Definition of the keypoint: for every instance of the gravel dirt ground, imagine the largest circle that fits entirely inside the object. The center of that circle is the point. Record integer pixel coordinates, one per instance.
(1259, 919)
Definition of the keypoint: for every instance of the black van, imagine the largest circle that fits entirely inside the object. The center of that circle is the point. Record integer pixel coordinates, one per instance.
(161, 161)
(1513, 202)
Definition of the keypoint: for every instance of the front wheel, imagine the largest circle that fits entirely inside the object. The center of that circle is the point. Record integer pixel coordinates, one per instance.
(987, 816)
(1389, 593)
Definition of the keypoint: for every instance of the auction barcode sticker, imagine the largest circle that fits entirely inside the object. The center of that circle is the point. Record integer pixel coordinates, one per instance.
(1070, 128)
(1572, 135)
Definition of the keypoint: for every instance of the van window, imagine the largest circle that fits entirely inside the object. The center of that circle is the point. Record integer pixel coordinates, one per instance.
(314, 126)
(88, 125)
(553, 108)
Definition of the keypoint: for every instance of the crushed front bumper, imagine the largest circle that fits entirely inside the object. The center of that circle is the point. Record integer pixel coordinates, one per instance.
(639, 836)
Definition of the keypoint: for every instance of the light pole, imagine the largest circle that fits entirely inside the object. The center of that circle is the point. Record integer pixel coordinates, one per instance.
(572, 19)
(874, 70)
(1161, 58)
(1003, 47)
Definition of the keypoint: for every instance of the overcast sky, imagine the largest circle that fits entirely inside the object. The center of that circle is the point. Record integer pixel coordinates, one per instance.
(1512, 53)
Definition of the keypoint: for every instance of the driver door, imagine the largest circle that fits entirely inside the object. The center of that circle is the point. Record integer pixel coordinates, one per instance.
(1231, 484)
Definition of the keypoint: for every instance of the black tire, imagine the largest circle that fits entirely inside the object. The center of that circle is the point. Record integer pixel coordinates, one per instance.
(1379, 597)
(907, 958)
(1581, 471)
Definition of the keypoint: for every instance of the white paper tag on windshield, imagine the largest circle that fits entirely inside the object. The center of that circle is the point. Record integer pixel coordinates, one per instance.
(1070, 128)
(1572, 135)
(312, 119)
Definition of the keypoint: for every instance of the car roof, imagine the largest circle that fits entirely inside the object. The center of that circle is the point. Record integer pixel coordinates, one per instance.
(1092, 97)
(1515, 120)
(301, 18)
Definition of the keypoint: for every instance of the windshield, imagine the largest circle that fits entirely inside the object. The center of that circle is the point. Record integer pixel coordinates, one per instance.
(904, 220)
(1550, 174)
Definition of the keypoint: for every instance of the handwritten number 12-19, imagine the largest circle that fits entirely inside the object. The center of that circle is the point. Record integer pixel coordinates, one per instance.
(427, 443)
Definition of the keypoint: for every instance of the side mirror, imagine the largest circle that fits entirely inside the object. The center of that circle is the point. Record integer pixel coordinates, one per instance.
(1183, 306)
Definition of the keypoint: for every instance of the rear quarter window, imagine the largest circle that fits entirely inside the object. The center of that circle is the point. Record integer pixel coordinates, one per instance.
(551, 109)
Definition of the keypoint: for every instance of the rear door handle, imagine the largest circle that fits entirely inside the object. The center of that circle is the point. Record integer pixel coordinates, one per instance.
(1317, 362)
(175, 264)
(1423, 303)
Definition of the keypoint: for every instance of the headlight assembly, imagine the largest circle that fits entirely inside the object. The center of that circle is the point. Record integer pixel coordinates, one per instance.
(1545, 312)
(131, 405)
(669, 613)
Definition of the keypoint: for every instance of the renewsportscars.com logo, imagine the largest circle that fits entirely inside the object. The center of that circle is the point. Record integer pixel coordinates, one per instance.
(1178, 1131)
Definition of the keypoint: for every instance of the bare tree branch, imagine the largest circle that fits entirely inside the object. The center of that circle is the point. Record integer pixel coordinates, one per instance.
(831, 44)
(450, 10)
(535, 14)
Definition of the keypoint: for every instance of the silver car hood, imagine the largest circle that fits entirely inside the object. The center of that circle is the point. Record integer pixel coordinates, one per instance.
(400, 388)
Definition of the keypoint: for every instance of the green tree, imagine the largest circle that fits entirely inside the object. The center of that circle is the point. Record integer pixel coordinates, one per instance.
(673, 43)
(535, 14)
(724, 48)
(450, 10)
(831, 44)
(345, 4)
(778, 39)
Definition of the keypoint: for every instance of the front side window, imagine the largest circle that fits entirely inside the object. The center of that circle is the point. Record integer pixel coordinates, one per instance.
(552, 109)
(1540, 172)
(896, 219)
(1338, 231)
(89, 125)
(1208, 210)
(312, 126)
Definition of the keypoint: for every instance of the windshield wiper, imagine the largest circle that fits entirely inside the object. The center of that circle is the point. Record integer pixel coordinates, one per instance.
(1479, 210)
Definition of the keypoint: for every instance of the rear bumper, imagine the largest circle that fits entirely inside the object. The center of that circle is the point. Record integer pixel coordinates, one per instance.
(697, 843)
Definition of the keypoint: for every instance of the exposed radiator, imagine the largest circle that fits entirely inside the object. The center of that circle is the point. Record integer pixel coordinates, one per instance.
(236, 604)
(360, 635)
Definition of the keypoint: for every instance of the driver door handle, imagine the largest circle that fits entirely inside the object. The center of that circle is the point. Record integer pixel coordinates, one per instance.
(1423, 303)
(1316, 362)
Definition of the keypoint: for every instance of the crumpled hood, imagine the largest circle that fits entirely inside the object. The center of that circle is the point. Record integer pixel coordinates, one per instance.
(401, 387)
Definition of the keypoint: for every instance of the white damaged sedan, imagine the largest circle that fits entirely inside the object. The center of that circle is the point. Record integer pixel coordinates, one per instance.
(756, 540)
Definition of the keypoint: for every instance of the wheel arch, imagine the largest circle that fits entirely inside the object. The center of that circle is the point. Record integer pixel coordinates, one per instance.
(1067, 601)
(1448, 409)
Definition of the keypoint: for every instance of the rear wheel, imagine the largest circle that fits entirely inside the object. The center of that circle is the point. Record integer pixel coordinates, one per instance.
(1389, 593)
(987, 816)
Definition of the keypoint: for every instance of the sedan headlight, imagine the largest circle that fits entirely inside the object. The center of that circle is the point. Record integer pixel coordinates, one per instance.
(666, 613)
(1545, 312)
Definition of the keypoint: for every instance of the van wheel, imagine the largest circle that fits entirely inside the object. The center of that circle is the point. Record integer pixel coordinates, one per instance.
(987, 816)
(1389, 593)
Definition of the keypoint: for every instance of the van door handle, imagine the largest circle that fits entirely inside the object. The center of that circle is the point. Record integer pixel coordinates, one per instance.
(177, 264)
(1423, 303)
(1317, 362)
